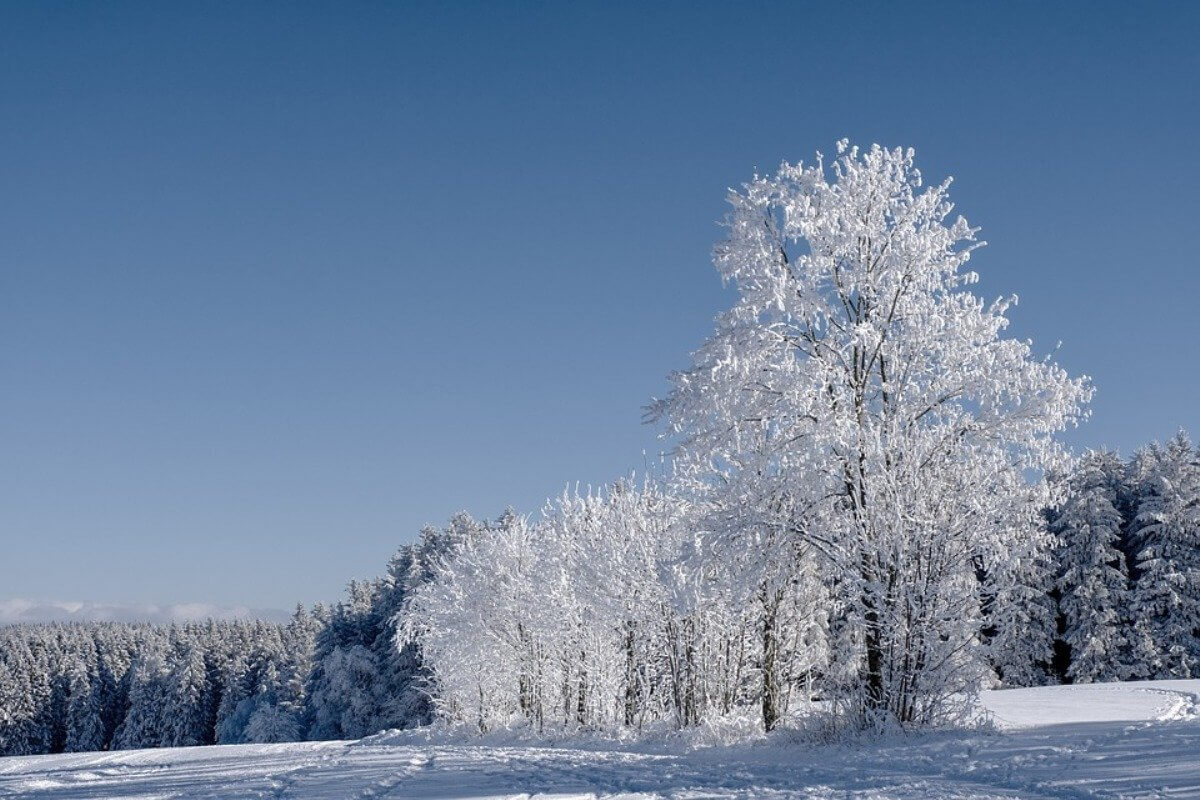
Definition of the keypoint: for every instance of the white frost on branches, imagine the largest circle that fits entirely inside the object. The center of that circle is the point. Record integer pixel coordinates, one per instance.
(859, 399)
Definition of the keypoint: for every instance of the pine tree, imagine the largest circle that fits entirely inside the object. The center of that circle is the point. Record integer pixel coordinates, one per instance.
(233, 713)
(1166, 596)
(1019, 613)
(341, 697)
(145, 724)
(270, 723)
(85, 718)
(186, 723)
(1092, 581)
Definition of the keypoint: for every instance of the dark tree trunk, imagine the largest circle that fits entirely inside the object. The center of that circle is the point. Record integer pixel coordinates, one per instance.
(771, 683)
(630, 677)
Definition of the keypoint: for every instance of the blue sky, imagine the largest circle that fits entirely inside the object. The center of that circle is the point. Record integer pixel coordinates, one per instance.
(280, 283)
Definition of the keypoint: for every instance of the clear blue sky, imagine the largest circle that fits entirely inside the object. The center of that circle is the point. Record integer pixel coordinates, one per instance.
(281, 282)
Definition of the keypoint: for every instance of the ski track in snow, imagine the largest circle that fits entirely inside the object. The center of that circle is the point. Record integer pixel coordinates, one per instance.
(1136, 740)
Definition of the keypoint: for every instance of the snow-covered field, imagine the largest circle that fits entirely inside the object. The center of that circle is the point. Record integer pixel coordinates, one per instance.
(1101, 740)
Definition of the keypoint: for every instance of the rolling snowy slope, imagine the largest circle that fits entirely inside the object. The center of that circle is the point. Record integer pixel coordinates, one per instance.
(1100, 740)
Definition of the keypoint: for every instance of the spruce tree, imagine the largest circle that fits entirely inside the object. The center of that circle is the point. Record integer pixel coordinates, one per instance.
(1167, 537)
(1092, 580)
(85, 719)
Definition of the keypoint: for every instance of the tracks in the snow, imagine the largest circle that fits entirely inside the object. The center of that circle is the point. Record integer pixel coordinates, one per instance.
(392, 769)
(385, 786)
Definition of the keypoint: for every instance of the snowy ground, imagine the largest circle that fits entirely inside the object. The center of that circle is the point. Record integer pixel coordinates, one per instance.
(1105, 740)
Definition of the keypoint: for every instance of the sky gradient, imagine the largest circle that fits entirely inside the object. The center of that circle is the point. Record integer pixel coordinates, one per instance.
(281, 283)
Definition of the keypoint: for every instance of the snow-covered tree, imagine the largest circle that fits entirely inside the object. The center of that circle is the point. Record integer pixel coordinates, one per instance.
(186, 723)
(777, 580)
(587, 618)
(270, 723)
(1020, 613)
(345, 705)
(859, 399)
(1166, 601)
(1093, 584)
(146, 724)
(360, 681)
(85, 717)
(24, 699)
(341, 691)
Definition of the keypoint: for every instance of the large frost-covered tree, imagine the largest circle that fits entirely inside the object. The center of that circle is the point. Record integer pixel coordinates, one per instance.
(858, 398)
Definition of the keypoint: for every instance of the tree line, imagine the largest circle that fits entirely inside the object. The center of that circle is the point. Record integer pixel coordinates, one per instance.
(1127, 568)
(612, 613)
(598, 616)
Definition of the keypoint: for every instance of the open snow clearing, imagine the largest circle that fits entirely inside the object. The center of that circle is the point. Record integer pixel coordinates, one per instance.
(1137, 739)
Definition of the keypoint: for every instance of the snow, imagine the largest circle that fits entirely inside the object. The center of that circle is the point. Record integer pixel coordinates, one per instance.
(1137, 739)
(1093, 702)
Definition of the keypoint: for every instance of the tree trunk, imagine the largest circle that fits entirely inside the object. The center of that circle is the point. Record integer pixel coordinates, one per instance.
(630, 677)
(581, 702)
(872, 642)
(771, 695)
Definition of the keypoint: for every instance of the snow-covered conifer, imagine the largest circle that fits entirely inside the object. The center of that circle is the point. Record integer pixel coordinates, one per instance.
(1019, 611)
(85, 716)
(1093, 584)
(146, 723)
(1166, 534)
